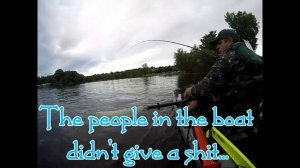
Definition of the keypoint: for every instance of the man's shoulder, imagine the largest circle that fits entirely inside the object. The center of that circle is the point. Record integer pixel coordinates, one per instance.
(230, 58)
(245, 54)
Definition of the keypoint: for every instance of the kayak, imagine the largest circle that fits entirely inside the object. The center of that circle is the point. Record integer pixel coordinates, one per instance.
(191, 133)
(188, 134)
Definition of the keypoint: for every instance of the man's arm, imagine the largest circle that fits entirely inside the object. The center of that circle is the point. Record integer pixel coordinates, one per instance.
(221, 73)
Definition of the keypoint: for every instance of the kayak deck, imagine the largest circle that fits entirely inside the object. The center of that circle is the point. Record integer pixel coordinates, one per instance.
(190, 133)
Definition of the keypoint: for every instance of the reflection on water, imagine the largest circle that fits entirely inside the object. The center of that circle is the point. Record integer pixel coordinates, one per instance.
(88, 99)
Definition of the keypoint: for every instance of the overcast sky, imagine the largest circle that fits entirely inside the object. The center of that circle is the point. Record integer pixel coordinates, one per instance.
(96, 36)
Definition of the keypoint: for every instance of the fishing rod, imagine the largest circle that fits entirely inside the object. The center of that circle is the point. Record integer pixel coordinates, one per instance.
(143, 108)
(158, 105)
(166, 42)
(173, 42)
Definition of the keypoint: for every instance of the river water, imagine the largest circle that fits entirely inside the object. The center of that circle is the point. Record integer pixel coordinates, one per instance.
(103, 96)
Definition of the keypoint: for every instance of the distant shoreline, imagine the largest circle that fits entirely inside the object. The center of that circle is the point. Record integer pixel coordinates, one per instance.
(148, 75)
(68, 78)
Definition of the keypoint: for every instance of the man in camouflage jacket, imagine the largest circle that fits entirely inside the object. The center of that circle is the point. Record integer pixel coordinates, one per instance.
(234, 62)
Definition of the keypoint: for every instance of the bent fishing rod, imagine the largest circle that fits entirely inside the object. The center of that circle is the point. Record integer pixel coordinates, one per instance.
(173, 42)
(164, 41)
(158, 105)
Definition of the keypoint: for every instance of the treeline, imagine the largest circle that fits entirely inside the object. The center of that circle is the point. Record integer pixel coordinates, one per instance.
(61, 78)
(201, 57)
(132, 73)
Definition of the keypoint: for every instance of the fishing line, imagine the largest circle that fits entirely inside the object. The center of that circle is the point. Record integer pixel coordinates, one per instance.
(173, 42)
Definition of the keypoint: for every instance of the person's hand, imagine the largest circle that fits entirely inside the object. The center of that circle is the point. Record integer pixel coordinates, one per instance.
(188, 93)
(191, 105)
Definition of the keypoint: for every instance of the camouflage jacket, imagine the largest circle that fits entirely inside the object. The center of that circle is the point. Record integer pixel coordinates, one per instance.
(221, 79)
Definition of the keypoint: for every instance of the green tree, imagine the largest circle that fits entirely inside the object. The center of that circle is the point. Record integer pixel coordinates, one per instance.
(206, 42)
(145, 69)
(58, 77)
(199, 59)
(61, 78)
(145, 65)
(245, 24)
(181, 59)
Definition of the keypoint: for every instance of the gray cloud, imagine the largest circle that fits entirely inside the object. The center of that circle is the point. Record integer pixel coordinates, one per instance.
(96, 36)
